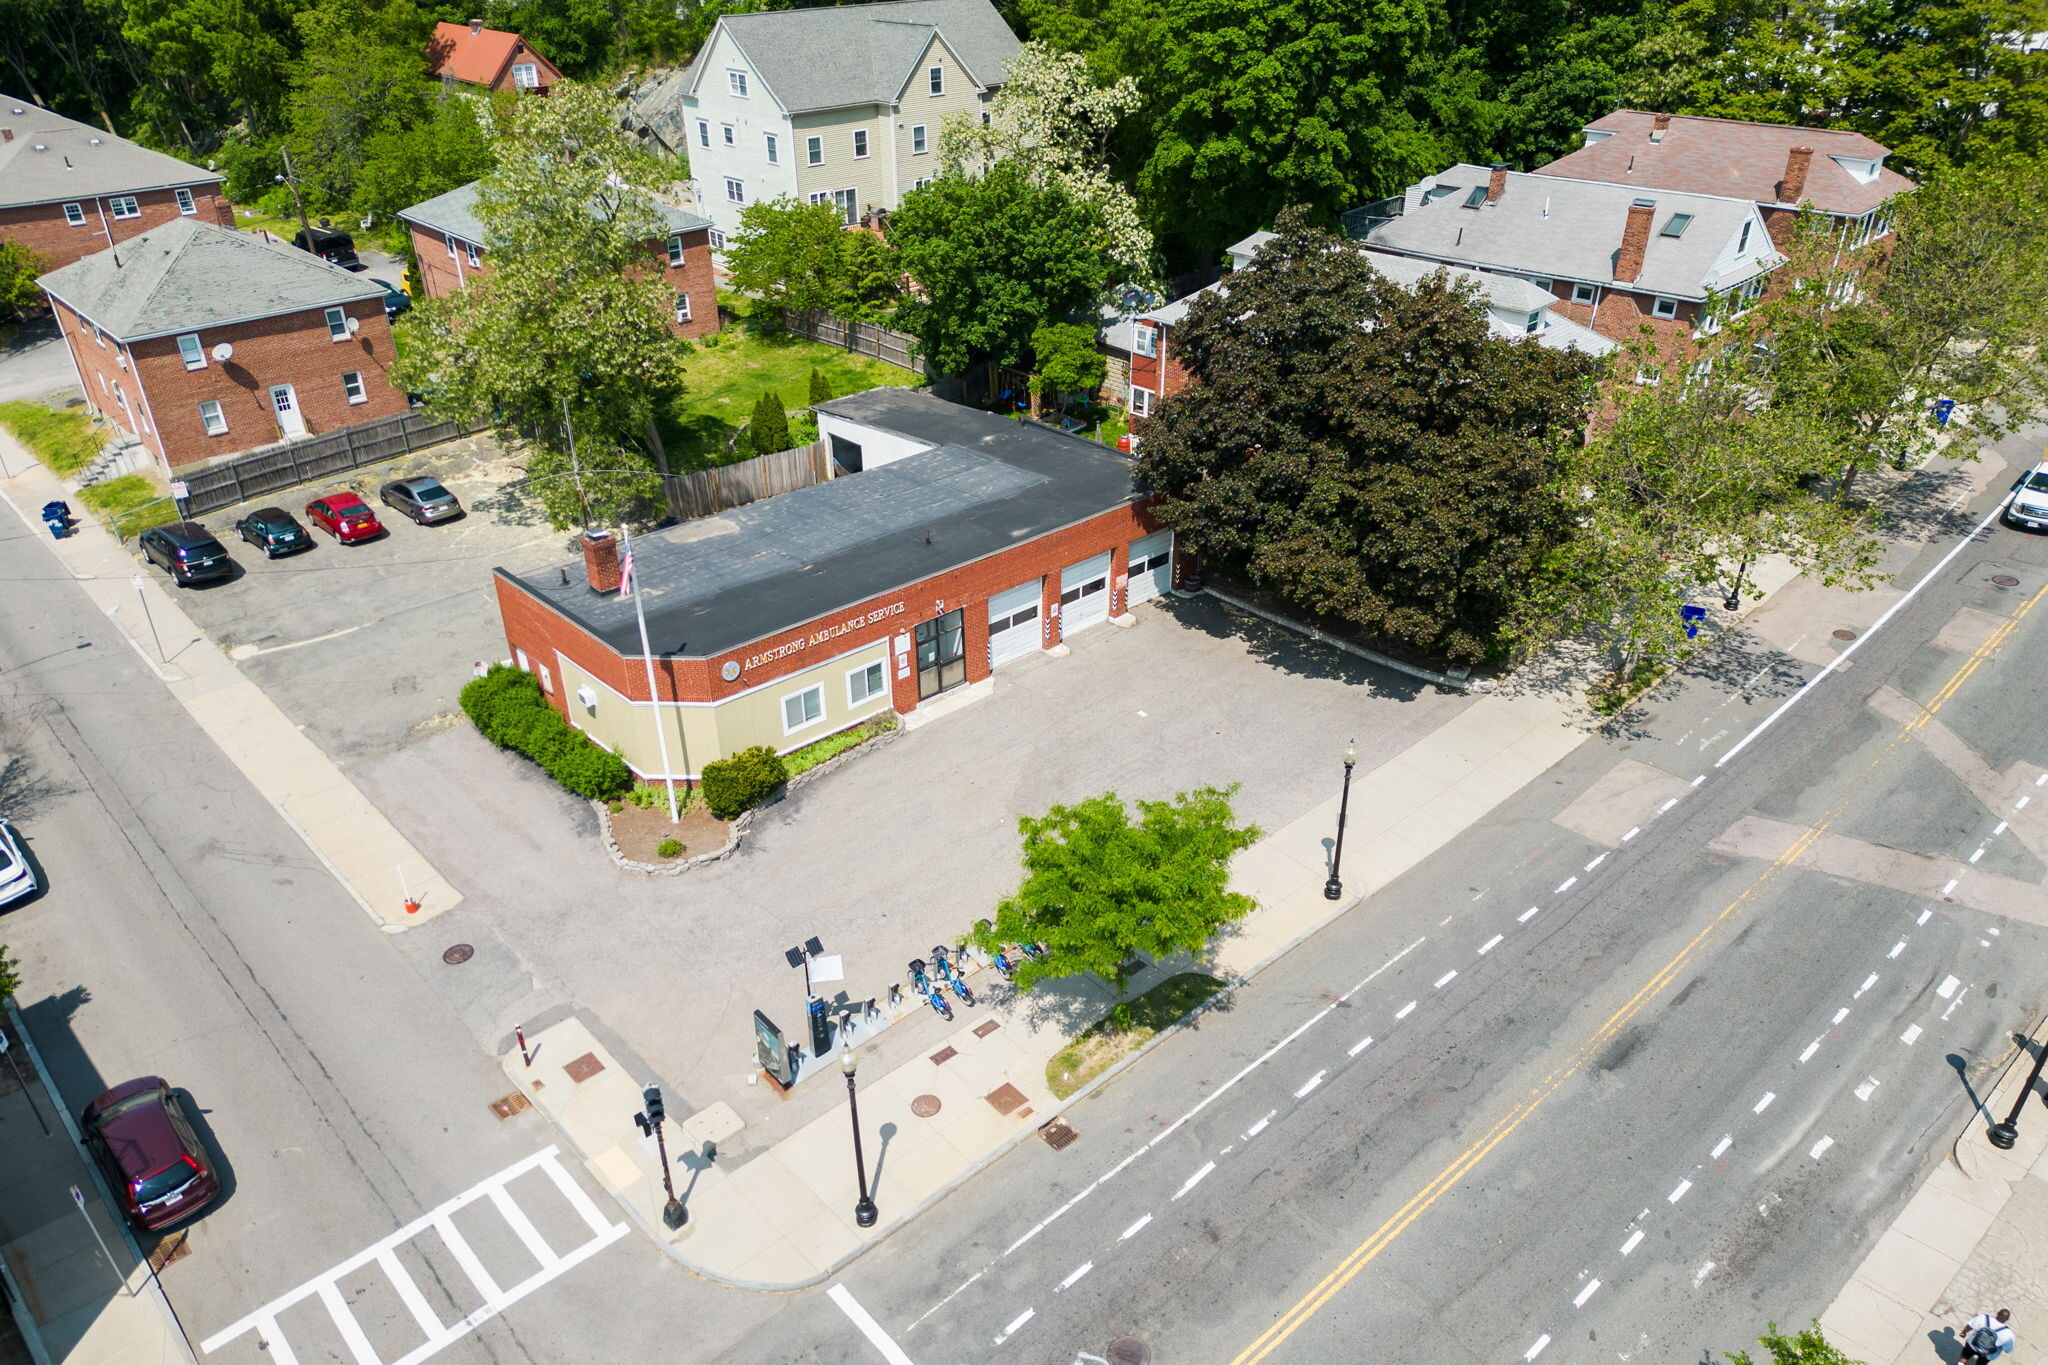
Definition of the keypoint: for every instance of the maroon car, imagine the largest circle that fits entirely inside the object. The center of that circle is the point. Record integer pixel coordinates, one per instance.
(139, 1134)
(344, 516)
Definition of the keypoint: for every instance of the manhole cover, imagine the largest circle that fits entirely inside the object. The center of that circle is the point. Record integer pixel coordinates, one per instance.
(2005, 580)
(944, 1055)
(510, 1105)
(583, 1068)
(1006, 1098)
(1058, 1135)
(1129, 1351)
(985, 1028)
(1845, 635)
(457, 954)
(924, 1106)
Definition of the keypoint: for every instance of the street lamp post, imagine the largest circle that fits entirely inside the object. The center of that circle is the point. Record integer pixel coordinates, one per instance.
(864, 1212)
(1333, 889)
(1733, 601)
(673, 1214)
(2004, 1135)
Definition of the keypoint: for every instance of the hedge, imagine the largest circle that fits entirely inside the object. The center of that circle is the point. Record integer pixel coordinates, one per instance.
(507, 708)
(740, 783)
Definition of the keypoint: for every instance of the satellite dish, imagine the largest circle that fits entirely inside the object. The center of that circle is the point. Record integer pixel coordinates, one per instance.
(224, 353)
(354, 325)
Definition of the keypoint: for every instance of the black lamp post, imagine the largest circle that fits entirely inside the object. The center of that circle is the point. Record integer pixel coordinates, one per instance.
(1733, 601)
(1333, 889)
(864, 1212)
(2004, 1135)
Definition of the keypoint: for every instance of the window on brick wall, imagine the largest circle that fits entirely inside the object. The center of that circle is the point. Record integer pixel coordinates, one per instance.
(675, 249)
(1141, 402)
(190, 351)
(1584, 293)
(1664, 308)
(185, 204)
(1145, 339)
(526, 76)
(814, 151)
(449, 241)
(337, 324)
(124, 206)
(100, 337)
(352, 387)
(682, 308)
(215, 421)
(860, 142)
(74, 214)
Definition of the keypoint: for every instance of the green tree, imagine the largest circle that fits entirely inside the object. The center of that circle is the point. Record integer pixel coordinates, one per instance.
(450, 144)
(821, 387)
(18, 270)
(1098, 887)
(994, 256)
(10, 975)
(1373, 454)
(360, 74)
(1809, 1347)
(792, 256)
(1067, 360)
(770, 430)
(569, 334)
(211, 63)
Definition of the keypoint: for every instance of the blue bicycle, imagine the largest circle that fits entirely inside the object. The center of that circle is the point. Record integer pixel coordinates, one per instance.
(952, 978)
(928, 991)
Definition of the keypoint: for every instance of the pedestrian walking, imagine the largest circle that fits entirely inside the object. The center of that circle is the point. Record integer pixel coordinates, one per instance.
(1986, 1337)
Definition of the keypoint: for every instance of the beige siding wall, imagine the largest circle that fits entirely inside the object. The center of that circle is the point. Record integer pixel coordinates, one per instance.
(755, 717)
(917, 105)
(871, 178)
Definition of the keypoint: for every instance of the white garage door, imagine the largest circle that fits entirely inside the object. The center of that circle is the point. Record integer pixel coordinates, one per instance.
(1151, 568)
(1013, 622)
(1084, 595)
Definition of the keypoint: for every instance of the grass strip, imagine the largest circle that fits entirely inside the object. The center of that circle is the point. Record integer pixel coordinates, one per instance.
(1104, 1043)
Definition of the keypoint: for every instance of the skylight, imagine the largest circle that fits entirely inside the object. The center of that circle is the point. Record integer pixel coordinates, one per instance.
(1676, 224)
(1476, 197)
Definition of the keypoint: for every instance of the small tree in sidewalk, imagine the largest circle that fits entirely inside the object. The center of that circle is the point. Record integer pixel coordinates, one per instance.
(10, 975)
(1809, 1347)
(1099, 888)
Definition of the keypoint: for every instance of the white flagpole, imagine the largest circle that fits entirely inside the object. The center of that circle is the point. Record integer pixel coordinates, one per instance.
(647, 653)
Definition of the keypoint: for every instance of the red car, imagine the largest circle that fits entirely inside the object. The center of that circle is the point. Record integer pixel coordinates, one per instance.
(159, 1169)
(344, 516)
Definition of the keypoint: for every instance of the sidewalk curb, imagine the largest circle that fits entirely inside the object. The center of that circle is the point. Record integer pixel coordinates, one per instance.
(156, 1289)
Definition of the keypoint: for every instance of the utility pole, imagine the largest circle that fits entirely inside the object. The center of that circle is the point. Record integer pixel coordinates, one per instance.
(290, 180)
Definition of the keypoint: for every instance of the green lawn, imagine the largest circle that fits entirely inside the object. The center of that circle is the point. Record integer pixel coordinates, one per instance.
(729, 371)
(64, 440)
(130, 504)
(1107, 1041)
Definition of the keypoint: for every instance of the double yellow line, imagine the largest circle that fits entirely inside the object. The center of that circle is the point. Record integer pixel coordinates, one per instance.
(1363, 1255)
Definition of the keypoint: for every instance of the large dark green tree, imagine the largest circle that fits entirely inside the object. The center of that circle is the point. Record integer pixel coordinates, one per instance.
(1371, 453)
(360, 75)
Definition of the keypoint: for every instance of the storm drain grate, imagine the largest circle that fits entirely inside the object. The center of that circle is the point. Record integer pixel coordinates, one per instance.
(924, 1106)
(1058, 1135)
(944, 1055)
(583, 1068)
(1006, 1098)
(173, 1249)
(510, 1105)
(985, 1028)
(1845, 634)
(458, 954)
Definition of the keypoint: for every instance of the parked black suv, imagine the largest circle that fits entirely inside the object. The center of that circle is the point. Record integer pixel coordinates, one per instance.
(330, 244)
(187, 552)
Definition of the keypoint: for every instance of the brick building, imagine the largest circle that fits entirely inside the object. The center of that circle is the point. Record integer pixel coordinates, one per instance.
(68, 189)
(959, 541)
(1783, 170)
(470, 54)
(200, 341)
(449, 244)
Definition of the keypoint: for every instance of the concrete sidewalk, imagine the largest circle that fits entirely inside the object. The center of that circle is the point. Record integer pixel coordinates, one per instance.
(376, 864)
(75, 1305)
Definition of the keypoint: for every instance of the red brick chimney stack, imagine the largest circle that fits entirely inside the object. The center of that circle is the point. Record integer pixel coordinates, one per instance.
(1497, 181)
(601, 560)
(1659, 127)
(1635, 239)
(1797, 163)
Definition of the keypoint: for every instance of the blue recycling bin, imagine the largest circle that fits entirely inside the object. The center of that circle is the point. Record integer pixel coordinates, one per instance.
(1692, 616)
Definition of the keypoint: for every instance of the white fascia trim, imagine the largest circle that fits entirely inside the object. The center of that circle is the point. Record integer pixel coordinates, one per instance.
(918, 68)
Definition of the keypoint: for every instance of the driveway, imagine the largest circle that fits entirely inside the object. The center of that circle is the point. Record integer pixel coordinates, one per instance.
(35, 364)
(901, 848)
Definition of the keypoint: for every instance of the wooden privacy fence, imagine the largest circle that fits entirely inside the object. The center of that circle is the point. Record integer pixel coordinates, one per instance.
(272, 468)
(862, 338)
(711, 491)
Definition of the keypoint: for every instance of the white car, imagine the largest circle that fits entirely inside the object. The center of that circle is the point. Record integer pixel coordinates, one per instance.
(17, 878)
(2029, 505)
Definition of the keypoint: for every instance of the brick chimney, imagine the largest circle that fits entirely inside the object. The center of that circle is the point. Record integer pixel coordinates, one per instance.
(1659, 127)
(6, 135)
(1635, 239)
(1497, 181)
(601, 560)
(1797, 162)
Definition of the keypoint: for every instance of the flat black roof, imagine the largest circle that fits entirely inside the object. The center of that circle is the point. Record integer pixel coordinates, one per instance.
(987, 483)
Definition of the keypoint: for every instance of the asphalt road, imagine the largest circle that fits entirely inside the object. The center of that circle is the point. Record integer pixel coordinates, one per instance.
(187, 932)
(1674, 1090)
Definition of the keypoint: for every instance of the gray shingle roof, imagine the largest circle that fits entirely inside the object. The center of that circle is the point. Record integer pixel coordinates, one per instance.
(187, 275)
(987, 484)
(1571, 229)
(861, 54)
(52, 159)
(455, 214)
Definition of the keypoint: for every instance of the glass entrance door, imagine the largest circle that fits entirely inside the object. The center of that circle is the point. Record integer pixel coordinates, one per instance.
(941, 653)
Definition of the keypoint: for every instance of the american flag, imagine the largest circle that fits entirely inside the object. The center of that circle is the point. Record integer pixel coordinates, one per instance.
(626, 566)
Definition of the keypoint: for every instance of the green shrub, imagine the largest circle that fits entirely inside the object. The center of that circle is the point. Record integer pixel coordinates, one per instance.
(669, 848)
(739, 783)
(507, 708)
(831, 746)
(821, 387)
(770, 429)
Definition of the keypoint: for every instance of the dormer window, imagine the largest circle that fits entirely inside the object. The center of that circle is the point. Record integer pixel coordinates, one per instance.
(1862, 170)
(1742, 243)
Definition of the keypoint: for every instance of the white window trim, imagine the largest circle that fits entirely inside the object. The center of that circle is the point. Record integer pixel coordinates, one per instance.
(474, 253)
(935, 80)
(704, 132)
(1663, 308)
(860, 671)
(814, 151)
(682, 307)
(1141, 401)
(1585, 293)
(736, 84)
(717, 240)
(337, 324)
(774, 149)
(134, 206)
(1145, 340)
(207, 420)
(195, 359)
(361, 392)
(448, 240)
(920, 145)
(526, 75)
(675, 248)
(74, 215)
(788, 697)
(861, 144)
(729, 134)
(735, 191)
(187, 205)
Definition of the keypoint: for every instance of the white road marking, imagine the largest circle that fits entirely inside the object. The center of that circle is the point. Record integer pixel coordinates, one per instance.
(2043, 778)
(1703, 777)
(1592, 1287)
(1490, 944)
(1634, 830)
(1897, 948)
(2000, 830)
(495, 1298)
(1821, 1146)
(1309, 1085)
(1841, 1014)
(1015, 1323)
(1667, 805)
(1867, 1089)
(1679, 1193)
(869, 1328)
(1947, 987)
(1134, 1229)
(1726, 1141)
(1537, 1349)
(1082, 1269)
(1978, 854)
(1811, 1048)
(2021, 804)
(1925, 915)
(1911, 1035)
(1406, 1010)
(1950, 886)
(1765, 1102)
(1367, 979)
(1528, 914)
(1596, 862)
(1260, 1126)
(1567, 884)
(1634, 1239)
(1445, 979)
(1361, 1045)
(1868, 982)
(1969, 538)
(1700, 1275)
(1952, 1005)
(1197, 1178)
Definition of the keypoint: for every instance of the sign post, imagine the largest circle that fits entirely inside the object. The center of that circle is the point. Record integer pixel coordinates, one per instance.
(142, 594)
(78, 1198)
(179, 492)
(771, 1051)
